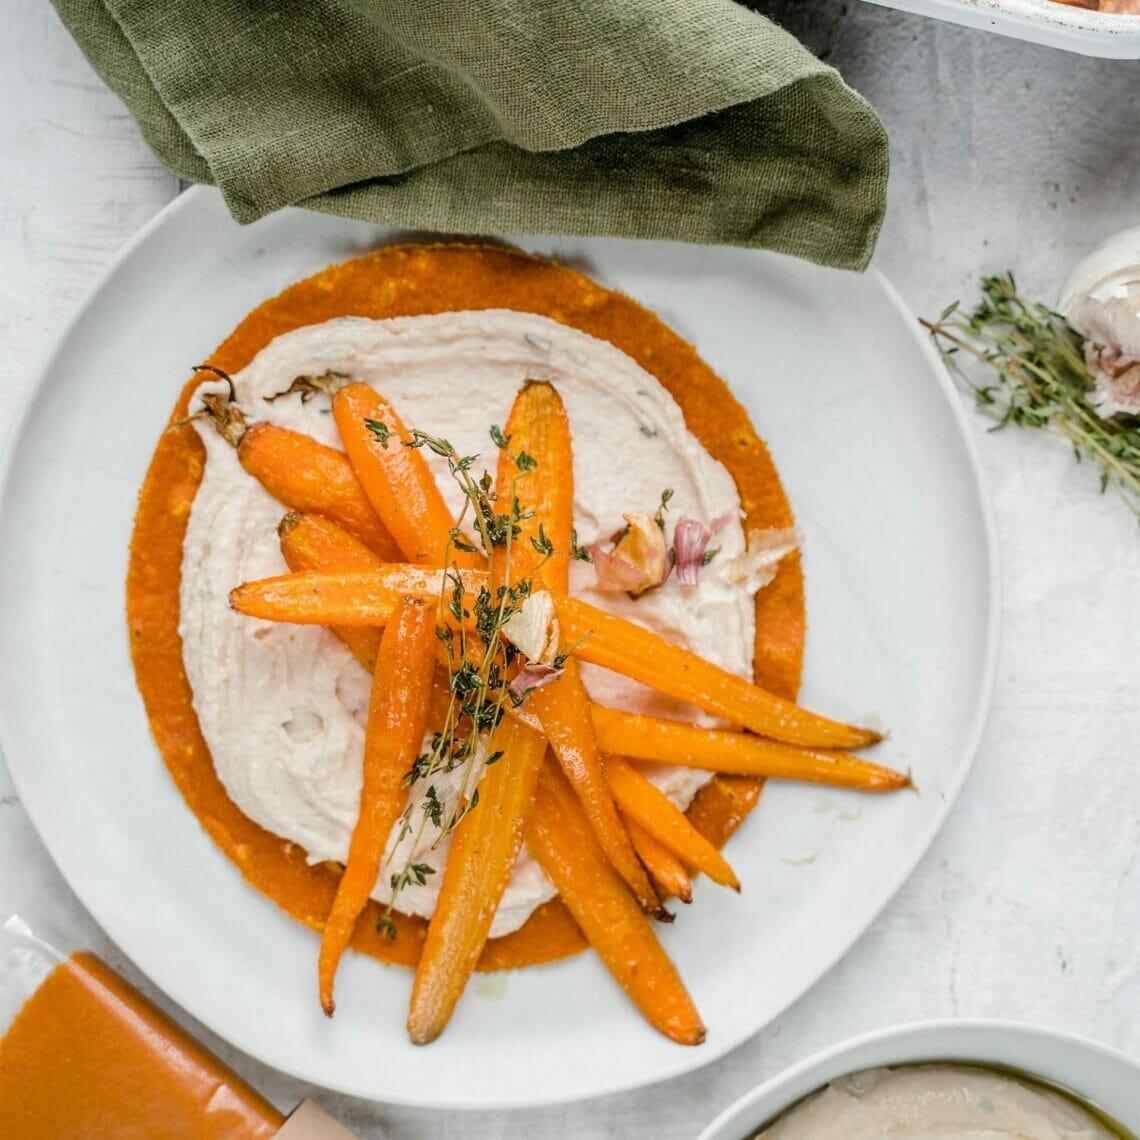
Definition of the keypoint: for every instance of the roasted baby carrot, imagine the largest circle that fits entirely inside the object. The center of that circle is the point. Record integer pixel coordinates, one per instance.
(543, 486)
(563, 710)
(363, 598)
(314, 542)
(666, 870)
(487, 840)
(397, 721)
(561, 839)
(737, 753)
(537, 467)
(650, 807)
(396, 479)
(305, 475)
(311, 542)
(483, 851)
(340, 597)
(636, 652)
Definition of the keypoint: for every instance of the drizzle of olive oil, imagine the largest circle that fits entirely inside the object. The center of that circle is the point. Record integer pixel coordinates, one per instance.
(491, 987)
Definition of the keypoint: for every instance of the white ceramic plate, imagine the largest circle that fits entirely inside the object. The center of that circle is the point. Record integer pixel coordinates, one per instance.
(1101, 1076)
(1079, 30)
(901, 577)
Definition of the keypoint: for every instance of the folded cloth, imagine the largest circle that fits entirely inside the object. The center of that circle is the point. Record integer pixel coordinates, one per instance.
(690, 120)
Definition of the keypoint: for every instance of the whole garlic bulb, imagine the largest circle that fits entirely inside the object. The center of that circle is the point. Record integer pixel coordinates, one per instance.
(1101, 300)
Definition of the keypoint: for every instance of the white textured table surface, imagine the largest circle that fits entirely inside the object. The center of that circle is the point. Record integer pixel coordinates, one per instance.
(1028, 905)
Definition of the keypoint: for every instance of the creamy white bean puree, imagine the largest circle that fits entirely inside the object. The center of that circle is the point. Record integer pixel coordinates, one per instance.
(282, 707)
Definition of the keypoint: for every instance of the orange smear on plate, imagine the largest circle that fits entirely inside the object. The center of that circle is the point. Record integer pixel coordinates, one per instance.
(407, 281)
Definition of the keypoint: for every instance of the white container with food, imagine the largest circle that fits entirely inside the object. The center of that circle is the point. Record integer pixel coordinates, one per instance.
(1065, 1086)
(1106, 33)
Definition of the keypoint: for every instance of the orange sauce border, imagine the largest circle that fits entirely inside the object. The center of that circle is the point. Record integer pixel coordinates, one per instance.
(404, 281)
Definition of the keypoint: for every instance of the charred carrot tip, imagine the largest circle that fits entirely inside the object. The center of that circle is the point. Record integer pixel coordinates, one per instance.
(288, 523)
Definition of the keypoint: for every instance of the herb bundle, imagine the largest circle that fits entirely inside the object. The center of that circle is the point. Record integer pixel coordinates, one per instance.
(1037, 377)
(478, 664)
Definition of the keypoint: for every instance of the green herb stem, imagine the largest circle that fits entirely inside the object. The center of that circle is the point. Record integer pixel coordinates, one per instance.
(1037, 377)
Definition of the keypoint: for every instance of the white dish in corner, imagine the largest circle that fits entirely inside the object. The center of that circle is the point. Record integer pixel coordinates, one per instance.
(902, 599)
(1102, 1077)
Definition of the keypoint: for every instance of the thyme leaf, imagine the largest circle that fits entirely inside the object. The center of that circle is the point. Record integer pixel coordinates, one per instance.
(380, 430)
(578, 552)
(542, 543)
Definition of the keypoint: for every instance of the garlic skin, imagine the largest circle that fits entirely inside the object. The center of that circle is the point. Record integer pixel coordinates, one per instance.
(757, 565)
(533, 628)
(1101, 300)
(638, 561)
(691, 540)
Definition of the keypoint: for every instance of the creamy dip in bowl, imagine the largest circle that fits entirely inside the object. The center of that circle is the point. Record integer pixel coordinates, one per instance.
(966, 1080)
(947, 1100)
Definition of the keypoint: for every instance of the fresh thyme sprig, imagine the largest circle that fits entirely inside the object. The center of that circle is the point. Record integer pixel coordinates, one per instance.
(1040, 379)
(478, 665)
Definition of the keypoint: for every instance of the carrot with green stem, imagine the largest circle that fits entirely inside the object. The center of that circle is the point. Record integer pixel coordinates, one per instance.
(562, 840)
(397, 721)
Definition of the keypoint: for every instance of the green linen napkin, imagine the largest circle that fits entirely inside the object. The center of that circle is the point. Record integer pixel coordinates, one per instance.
(691, 120)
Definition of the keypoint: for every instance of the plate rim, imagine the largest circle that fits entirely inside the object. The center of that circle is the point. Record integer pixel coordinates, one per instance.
(689, 1060)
